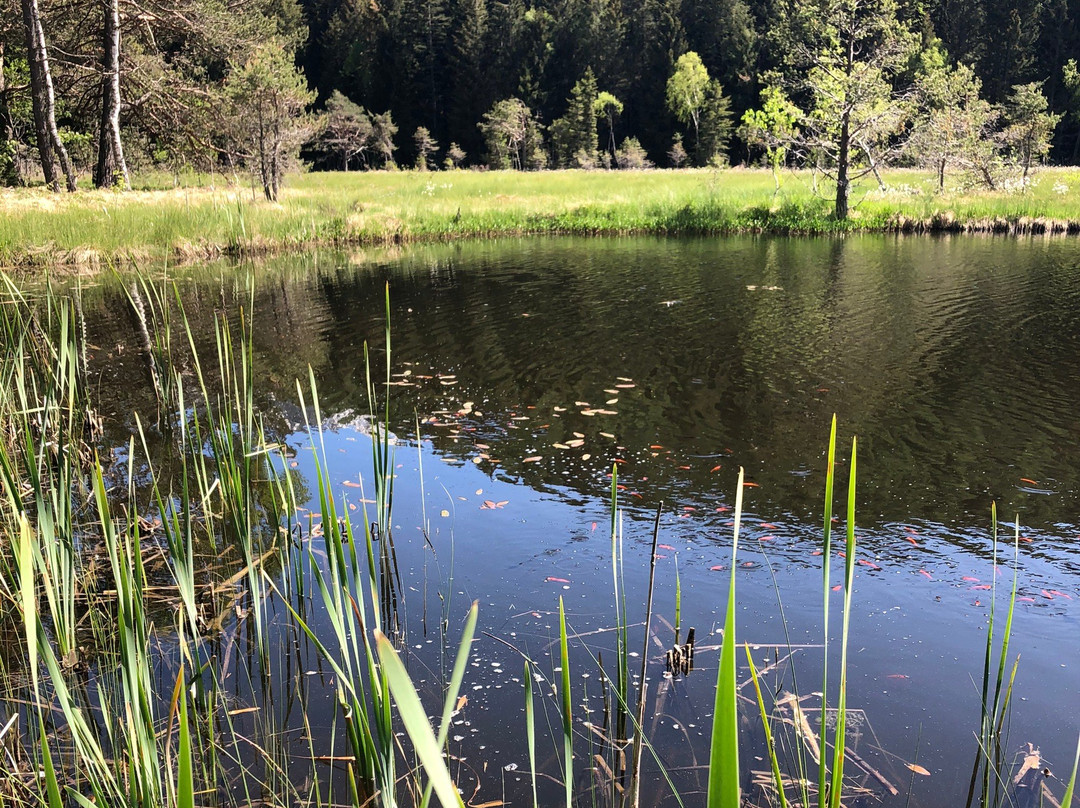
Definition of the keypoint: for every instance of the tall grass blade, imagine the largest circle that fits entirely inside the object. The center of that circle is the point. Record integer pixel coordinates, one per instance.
(185, 785)
(1066, 801)
(567, 710)
(840, 739)
(826, 553)
(724, 748)
(530, 730)
(770, 747)
(415, 718)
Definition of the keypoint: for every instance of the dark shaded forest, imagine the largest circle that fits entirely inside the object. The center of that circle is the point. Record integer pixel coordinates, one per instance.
(106, 87)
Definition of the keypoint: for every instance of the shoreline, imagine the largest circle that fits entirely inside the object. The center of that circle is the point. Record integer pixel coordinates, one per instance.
(91, 230)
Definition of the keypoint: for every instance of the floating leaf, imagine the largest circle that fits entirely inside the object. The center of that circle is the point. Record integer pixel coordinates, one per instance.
(915, 767)
(534, 459)
(444, 513)
(351, 484)
(553, 579)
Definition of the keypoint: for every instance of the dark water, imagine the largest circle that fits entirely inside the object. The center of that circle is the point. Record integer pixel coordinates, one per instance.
(955, 361)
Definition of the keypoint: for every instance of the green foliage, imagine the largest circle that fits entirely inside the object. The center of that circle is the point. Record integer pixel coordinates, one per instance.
(346, 131)
(426, 149)
(772, 128)
(267, 96)
(512, 136)
(847, 59)
(631, 155)
(574, 139)
(953, 125)
(1029, 125)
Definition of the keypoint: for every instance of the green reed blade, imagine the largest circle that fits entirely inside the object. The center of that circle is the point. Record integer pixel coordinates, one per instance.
(724, 747)
(185, 785)
(52, 787)
(567, 714)
(770, 747)
(415, 718)
(826, 552)
(840, 738)
(1066, 801)
(530, 730)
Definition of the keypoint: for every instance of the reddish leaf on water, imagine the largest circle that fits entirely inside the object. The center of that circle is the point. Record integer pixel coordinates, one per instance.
(659, 555)
(1047, 595)
(915, 767)
(927, 574)
(816, 552)
(621, 487)
(636, 494)
(980, 586)
(912, 540)
(897, 676)
(768, 526)
(594, 525)
(533, 459)
(1028, 480)
(723, 509)
(351, 484)
(553, 579)
(687, 468)
(1060, 594)
(841, 553)
(714, 468)
(656, 446)
(837, 588)
(1025, 540)
(766, 538)
(502, 503)
(1026, 600)
(665, 547)
(689, 508)
(751, 485)
(968, 578)
(911, 530)
(488, 505)
(717, 568)
(869, 564)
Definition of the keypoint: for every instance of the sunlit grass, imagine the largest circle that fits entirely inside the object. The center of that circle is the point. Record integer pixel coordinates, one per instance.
(204, 220)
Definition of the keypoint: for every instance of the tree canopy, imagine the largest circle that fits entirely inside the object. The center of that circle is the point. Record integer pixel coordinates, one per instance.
(970, 88)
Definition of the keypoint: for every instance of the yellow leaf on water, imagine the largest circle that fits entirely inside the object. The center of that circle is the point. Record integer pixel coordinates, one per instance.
(444, 513)
(915, 767)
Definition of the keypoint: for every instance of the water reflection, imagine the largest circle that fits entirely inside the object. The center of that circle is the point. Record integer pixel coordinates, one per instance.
(534, 366)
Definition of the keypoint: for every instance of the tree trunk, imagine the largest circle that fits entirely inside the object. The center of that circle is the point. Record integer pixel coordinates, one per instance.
(110, 148)
(941, 175)
(44, 100)
(842, 160)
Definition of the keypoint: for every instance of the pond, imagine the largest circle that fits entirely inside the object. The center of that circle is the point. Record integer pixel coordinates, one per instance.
(524, 370)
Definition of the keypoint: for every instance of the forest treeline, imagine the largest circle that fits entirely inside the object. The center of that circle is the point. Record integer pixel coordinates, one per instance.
(104, 87)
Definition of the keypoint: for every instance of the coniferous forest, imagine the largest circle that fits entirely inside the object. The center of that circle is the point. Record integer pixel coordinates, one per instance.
(101, 89)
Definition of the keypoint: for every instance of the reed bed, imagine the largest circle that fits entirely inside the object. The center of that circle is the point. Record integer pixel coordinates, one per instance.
(162, 624)
(209, 217)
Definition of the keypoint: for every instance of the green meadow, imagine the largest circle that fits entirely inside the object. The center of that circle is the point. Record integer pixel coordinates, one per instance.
(205, 217)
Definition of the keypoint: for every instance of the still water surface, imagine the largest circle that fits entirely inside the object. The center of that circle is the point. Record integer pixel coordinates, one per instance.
(533, 366)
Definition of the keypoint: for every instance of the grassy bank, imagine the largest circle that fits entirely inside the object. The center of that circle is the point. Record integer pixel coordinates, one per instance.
(204, 221)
